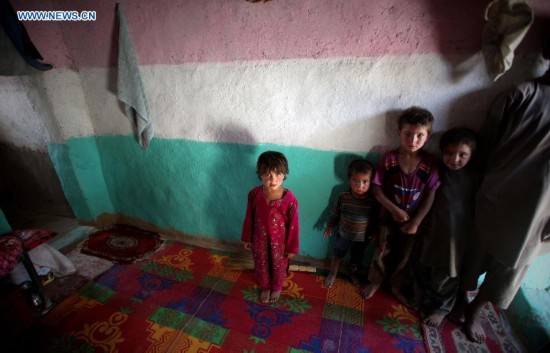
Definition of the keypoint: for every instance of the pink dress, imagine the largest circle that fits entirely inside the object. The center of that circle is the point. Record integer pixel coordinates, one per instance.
(273, 229)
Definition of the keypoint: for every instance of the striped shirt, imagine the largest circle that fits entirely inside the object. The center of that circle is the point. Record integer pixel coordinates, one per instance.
(354, 216)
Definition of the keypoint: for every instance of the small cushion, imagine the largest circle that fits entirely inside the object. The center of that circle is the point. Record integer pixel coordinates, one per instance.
(31, 238)
(10, 252)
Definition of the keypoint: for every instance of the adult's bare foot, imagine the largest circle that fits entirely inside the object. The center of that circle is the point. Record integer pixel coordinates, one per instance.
(368, 291)
(474, 330)
(472, 325)
(434, 319)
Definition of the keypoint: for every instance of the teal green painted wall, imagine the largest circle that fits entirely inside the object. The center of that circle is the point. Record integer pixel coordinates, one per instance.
(4, 225)
(79, 166)
(538, 276)
(198, 188)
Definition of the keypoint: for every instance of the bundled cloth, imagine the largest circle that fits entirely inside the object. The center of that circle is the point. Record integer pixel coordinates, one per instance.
(507, 23)
(18, 55)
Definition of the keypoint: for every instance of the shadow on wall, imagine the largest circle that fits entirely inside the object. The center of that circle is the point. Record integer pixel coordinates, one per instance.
(458, 47)
(232, 174)
(470, 109)
(112, 71)
(30, 182)
(341, 162)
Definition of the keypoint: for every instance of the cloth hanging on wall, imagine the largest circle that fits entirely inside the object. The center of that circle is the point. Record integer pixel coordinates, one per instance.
(18, 55)
(507, 23)
(130, 88)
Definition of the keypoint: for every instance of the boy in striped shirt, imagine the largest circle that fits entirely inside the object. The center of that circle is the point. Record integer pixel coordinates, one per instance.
(354, 214)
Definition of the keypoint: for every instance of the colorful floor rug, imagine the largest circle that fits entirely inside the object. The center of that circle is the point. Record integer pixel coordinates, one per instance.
(121, 244)
(450, 338)
(183, 299)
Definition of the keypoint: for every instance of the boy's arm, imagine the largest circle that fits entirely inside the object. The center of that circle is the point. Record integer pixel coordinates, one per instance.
(423, 209)
(398, 214)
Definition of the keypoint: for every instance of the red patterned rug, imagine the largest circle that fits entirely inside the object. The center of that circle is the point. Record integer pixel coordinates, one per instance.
(184, 299)
(121, 244)
(450, 338)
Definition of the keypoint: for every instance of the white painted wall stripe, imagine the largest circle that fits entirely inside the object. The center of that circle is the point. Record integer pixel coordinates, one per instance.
(346, 104)
(331, 104)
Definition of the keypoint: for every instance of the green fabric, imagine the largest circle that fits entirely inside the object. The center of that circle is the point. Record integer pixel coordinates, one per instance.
(4, 225)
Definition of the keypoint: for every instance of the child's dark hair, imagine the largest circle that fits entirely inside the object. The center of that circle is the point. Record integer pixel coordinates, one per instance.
(360, 166)
(416, 116)
(458, 135)
(271, 161)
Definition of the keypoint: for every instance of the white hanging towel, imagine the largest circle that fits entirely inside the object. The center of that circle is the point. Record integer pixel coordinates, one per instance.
(130, 88)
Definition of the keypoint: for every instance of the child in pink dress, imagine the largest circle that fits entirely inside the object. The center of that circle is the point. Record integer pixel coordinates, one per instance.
(271, 228)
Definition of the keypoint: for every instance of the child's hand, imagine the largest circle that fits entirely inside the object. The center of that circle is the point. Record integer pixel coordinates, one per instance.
(290, 255)
(410, 228)
(246, 245)
(327, 232)
(400, 216)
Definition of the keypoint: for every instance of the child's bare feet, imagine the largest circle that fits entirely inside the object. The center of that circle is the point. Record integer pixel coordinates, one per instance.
(368, 291)
(264, 296)
(457, 315)
(353, 271)
(434, 319)
(274, 296)
(329, 280)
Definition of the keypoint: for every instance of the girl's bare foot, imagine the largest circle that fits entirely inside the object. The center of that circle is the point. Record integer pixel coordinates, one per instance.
(434, 319)
(329, 281)
(368, 291)
(264, 296)
(274, 296)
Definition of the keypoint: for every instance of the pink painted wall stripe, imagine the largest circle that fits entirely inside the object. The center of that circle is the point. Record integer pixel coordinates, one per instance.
(177, 32)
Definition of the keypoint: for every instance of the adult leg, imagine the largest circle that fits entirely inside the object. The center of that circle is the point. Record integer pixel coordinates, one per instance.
(499, 287)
